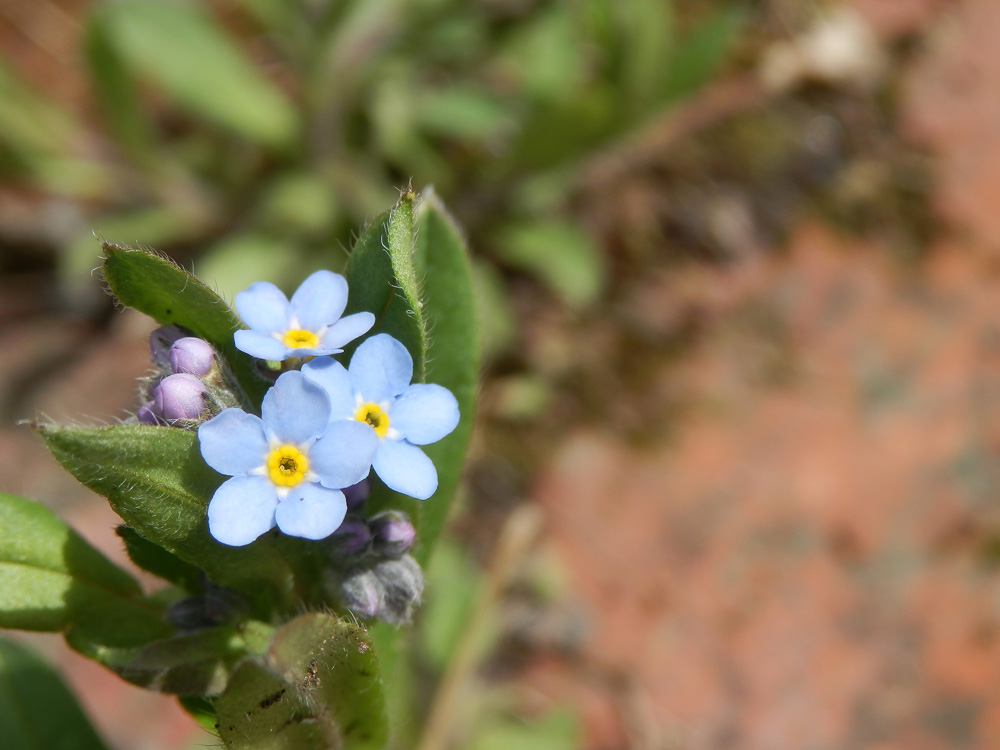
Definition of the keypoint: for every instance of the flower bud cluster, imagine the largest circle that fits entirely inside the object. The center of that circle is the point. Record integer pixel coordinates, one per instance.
(188, 386)
(373, 576)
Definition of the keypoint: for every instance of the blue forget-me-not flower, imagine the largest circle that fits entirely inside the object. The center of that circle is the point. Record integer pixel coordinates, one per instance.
(375, 391)
(287, 467)
(308, 325)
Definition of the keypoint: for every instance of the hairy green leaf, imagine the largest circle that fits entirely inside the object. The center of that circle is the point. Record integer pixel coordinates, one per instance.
(37, 710)
(451, 314)
(317, 687)
(51, 578)
(383, 280)
(156, 480)
(171, 295)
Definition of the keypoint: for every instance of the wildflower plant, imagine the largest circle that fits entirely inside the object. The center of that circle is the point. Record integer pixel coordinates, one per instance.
(287, 493)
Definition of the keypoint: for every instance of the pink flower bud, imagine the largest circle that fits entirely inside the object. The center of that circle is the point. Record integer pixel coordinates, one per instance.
(160, 342)
(147, 414)
(392, 533)
(179, 396)
(352, 537)
(191, 355)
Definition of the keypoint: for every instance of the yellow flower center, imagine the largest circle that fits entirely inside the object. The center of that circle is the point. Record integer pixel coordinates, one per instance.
(300, 339)
(287, 465)
(373, 415)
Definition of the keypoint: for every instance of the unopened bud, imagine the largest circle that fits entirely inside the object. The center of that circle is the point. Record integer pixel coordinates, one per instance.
(362, 593)
(356, 494)
(179, 396)
(191, 355)
(403, 582)
(352, 537)
(147, 414)
(392, 533)
(160, 342)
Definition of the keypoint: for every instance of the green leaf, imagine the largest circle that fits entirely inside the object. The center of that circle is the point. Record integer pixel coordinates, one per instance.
(558, 730)
(156, 560)
(169, 294)
(260, 711)
(647, 36)
(700, 53)
(453, 586)
(383, 280)
(318, 687)
(51, 578)
(560, 254)
(466, 114)
(451, 314)
(180, 47)
(37, 710)
(186, 664)
(117, 93)
(156, 480)
(30, 123)
(335, 661)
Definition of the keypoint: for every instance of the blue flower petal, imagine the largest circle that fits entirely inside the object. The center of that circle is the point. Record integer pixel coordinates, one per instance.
(343, 456)
(381, 368)
(241, 510)
(260, 345)
(405, 468)
(425, 413)
(263, 307)
(233, 442)
(311, 512)
(332, 377)
(347, 329)
(319, 300)
(295, 410)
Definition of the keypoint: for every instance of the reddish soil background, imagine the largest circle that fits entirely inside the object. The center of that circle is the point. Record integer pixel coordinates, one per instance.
(778, 522)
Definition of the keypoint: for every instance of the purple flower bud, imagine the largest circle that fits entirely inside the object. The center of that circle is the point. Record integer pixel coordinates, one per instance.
(356, 494)
(362, 593)
(352, 537)
(179, 396)
(160, 342)
(392, 533)
(403, 583)
(191, 355)
(147, 414)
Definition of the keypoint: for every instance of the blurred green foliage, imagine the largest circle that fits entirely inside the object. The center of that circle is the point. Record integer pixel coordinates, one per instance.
(253, 136)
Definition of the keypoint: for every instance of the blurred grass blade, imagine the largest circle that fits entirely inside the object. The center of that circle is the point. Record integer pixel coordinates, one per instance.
(170, 295)
(560, 254)
(51, 578)
(451, 313)
(184, 51)
(648, 39)
(117, 93)
(37, 710)
(700, 53)
(467, 114)
(30, 124)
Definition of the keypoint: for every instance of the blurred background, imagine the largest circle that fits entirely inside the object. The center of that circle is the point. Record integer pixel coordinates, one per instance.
(735, 473)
